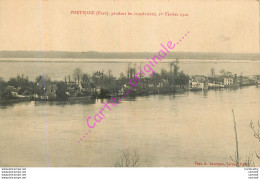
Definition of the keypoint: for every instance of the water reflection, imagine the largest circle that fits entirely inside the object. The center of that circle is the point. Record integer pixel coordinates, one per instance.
(5, 105)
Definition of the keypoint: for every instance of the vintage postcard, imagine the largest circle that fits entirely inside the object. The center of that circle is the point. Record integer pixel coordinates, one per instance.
(137, 83)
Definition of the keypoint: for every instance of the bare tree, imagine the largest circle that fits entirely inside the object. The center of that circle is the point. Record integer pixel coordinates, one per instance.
(256, 133)
(236, 159)
(129, 158)
(109, 73)
(249, 159)
(69, 78)
(212, 71)
(85, 78)
(141, 64)
(128, 70)
(223, 72)
(257, 155)
(174, 73)
(77, 74)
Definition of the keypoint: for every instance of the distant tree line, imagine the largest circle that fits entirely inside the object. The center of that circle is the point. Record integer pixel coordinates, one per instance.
(98, 84)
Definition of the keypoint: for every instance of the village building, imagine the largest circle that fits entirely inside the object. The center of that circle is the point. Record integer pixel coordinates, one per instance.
(199, 82)
(228, 81)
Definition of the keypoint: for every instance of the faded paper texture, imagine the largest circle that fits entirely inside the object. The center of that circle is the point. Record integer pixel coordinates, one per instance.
(129, 83)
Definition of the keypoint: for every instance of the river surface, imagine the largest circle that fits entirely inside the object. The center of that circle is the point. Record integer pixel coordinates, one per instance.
(57, 69)
(166, 130)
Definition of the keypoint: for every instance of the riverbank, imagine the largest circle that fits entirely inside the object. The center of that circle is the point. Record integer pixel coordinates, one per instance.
(134, 93)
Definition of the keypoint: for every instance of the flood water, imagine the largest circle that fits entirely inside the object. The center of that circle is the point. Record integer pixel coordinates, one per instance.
(57, 69)
(166, 130)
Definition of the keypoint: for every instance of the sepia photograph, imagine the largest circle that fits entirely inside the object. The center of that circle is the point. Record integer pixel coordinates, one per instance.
(182, 112)
(163, 84)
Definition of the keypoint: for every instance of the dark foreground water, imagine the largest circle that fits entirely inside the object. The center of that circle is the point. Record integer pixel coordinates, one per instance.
(166, 130)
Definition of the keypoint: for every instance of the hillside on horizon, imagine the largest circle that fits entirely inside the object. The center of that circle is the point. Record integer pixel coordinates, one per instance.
(127, 55)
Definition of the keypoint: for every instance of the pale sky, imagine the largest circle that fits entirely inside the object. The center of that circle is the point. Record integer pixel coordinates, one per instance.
(215, 26)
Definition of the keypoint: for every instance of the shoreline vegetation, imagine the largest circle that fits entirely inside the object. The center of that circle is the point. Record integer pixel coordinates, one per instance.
(80, 87)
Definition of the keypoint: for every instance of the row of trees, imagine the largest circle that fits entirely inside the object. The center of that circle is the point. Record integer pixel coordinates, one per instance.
(106, 80)
(80, 84)
(20, 81)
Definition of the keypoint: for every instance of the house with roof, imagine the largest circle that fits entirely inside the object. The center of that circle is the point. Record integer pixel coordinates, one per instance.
(46, 90)
(199, 82)
(228, 81)
(14, 91)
